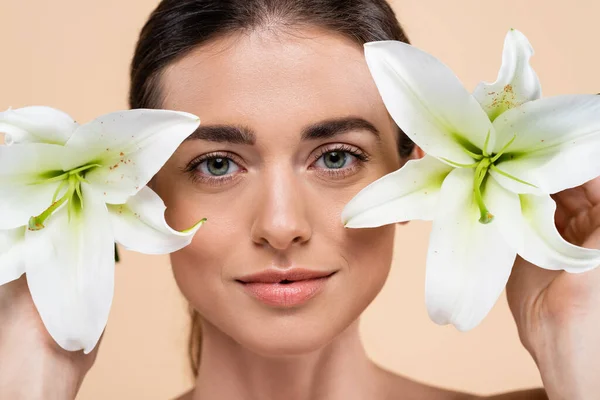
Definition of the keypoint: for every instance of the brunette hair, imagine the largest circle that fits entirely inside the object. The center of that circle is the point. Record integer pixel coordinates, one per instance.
(176, 27)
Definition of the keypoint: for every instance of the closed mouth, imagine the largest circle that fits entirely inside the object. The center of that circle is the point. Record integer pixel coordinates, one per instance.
(284, 277)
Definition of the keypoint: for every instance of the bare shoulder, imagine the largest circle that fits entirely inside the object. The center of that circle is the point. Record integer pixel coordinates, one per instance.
(186, 396)
(400, 387)
(531, 394)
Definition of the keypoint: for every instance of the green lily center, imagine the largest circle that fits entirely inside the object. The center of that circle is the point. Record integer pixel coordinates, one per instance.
(481, 173)
(70, 187)
(485, 162)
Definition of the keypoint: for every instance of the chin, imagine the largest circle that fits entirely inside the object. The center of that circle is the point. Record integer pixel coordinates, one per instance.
(273, 332)
(289, 336)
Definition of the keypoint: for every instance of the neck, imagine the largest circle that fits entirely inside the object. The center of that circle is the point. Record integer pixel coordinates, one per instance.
(339, 370)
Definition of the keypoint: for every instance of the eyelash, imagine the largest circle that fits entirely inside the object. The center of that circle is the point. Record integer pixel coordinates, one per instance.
(192, 168)
(196, 177)
(360, 159)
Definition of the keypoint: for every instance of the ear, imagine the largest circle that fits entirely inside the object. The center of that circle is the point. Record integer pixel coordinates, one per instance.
(417, 153)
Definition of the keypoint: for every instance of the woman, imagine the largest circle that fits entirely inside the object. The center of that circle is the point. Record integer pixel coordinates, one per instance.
(293, 127)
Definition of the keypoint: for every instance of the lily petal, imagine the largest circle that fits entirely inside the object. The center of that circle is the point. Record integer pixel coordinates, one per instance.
(12, 254)
(131, 146)
(557, 144)
(505, 206)
(517, 82)
(37, 124)
(70, 273)
(21, 166)
(409, 193)
(140, 225)
(531, 230)
(427, 101)
(468, 263)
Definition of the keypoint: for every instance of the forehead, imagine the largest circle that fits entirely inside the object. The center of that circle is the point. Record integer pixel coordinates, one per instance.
(272, 78)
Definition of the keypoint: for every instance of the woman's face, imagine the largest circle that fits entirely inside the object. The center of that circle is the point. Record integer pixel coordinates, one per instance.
(292, 128)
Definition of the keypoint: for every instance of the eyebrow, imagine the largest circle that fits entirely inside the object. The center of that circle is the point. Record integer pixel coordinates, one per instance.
(224, 134)
(239, 134)
(330, 128)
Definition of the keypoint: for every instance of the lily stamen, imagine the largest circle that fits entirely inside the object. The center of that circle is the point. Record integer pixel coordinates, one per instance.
(477, 157)
(60, 187)
(459, 165)
(485, 144)
(84, 168)
(514, 178)
(503, 150)
(74, 182)
(37, 223)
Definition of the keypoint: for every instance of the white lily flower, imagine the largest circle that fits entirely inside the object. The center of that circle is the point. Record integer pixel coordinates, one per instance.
(36, 124)
(485, 184)
(67, 192)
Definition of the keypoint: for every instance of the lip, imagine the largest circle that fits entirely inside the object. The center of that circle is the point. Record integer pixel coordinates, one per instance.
(287, 288)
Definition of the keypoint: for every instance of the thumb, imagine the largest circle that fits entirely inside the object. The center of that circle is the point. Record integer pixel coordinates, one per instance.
(525, 291)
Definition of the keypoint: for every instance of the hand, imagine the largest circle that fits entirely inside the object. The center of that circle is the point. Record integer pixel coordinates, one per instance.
(558, 313)
(32, 365)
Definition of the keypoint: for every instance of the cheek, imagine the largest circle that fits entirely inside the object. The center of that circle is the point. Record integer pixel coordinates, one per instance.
(369, 254)
(200, 273)
(199, 267)
(365, 253)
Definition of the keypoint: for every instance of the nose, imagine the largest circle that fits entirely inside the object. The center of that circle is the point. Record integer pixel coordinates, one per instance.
(281, 219)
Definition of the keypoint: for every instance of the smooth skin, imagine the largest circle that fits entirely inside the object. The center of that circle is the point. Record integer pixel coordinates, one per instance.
(274, 106)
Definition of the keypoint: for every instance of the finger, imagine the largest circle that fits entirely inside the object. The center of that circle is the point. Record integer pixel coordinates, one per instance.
(535, 294)
(579, 198)
(578, 214)
(525, 286)
(592, 190)
(573, 200)
(561, 219)
(527, 281)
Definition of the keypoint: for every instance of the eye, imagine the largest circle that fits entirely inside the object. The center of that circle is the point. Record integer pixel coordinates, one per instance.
(339, 161)
(217, 166)
(214, 168)
(335, 159)
(339, 156)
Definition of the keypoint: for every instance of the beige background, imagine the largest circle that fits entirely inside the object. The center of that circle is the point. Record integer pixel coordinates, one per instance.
(74, 55)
